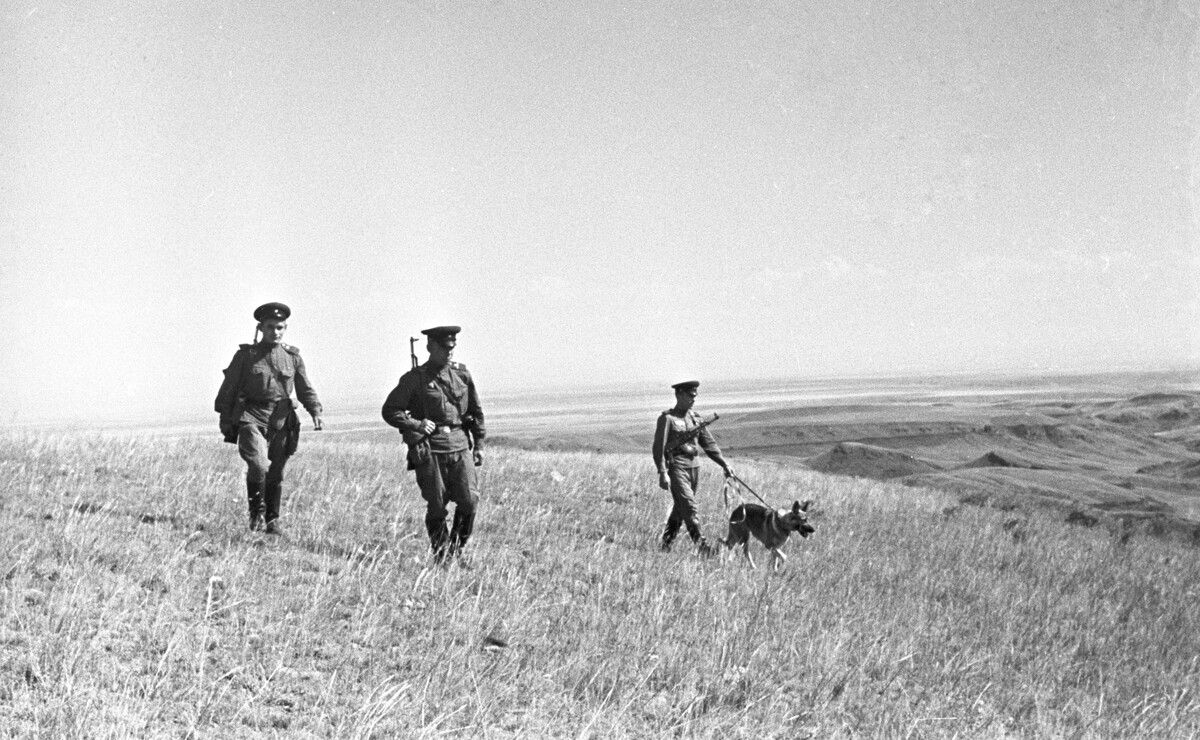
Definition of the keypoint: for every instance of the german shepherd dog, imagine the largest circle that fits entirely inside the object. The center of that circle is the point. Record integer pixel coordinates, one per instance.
(769, 526)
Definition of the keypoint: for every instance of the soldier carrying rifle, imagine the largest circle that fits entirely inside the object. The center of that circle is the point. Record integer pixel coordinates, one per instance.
(679, 436)
(437, 411)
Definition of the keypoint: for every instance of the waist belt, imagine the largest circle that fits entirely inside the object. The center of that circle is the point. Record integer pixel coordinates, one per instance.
(447, 428)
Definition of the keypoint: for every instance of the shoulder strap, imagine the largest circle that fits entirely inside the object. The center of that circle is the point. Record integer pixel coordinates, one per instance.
(446, 387)
(420, 370)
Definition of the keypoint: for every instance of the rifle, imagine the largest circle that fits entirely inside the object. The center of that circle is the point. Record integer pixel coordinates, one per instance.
(412, 350)
(688, 436)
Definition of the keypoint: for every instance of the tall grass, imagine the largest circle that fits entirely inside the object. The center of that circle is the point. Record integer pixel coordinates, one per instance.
(134, 604)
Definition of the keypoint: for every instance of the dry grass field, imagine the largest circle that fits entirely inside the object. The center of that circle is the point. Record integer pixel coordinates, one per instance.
(133, 603)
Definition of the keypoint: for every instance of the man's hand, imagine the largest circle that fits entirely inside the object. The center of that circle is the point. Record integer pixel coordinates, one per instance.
(664, 482)
(729, 472)
(427, 426)
(318, 425)
(477, 455)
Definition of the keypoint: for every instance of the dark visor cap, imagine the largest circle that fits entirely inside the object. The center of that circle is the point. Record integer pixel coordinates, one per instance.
(272, 310)
(687, 385)
(447, 336)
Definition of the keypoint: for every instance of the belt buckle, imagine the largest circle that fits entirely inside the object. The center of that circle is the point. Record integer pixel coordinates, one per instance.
(445, 429)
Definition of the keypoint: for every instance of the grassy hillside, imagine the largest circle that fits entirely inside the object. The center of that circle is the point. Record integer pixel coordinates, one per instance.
(134, 604)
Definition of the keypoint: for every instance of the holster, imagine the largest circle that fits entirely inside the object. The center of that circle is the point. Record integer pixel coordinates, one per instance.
(471, 427)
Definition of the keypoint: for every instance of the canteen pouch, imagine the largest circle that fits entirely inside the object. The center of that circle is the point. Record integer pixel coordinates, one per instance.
(418, 455)
(283, 430)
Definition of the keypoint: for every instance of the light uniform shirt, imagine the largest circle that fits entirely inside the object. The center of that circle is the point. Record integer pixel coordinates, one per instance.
(671, 427)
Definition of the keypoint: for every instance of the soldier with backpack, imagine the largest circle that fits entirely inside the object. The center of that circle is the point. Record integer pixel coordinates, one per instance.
(258, 415)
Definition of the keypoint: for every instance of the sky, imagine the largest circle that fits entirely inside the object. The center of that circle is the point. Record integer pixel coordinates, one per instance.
(597, 192)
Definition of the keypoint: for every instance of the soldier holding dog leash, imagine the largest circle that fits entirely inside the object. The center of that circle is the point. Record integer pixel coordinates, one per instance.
(437, 410)
(678, 437)
(257, 413)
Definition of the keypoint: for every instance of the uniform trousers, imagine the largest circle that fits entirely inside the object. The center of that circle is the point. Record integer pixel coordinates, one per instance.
(684, 482)
(444, 478)
(256, 451)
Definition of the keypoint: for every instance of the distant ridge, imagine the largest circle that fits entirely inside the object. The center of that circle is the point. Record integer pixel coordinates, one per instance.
(868, 461)
(1149, 399)
(995, 459)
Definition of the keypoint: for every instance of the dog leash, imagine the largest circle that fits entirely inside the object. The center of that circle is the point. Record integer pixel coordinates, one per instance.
(725, 489)
(743, 484)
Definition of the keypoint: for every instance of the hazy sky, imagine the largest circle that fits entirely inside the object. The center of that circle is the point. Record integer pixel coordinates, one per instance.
(593, 190)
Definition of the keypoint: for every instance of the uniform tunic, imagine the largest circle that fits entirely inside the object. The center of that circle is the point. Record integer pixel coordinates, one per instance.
(445, 397)
(671, 427)
(260, 376)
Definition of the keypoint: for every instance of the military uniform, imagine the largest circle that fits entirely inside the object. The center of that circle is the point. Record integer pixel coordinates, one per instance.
(682, 466)
(257, 413)
(441, 460)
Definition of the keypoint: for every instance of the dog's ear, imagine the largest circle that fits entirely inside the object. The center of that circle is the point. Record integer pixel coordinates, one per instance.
(796, 508)
(804, 506)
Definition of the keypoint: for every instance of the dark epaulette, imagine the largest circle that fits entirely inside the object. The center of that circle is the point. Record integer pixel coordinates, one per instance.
(245, 346)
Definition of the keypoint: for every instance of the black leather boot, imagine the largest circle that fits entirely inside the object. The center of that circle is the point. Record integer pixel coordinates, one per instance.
(273, 496)
(254, 501)
(669, 532)
(464, 524)
(703, 547)
(437, 538)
